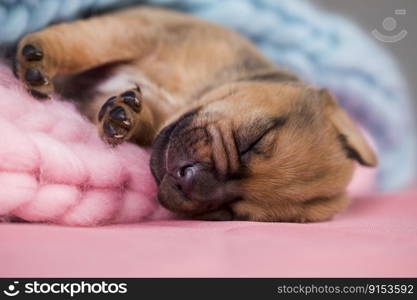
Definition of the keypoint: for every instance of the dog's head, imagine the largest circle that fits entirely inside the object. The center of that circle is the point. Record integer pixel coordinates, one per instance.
(267, 151)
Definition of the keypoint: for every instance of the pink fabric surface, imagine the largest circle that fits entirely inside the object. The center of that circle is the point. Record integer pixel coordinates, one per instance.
(376, 236)
(55, 168)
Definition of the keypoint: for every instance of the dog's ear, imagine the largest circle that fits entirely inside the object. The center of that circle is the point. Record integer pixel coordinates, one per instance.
(351, 137)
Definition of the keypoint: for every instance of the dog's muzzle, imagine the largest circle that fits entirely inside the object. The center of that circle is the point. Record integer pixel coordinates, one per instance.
(186, 183)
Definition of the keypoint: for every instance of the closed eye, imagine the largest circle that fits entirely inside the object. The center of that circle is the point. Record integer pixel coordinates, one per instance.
(251, 145)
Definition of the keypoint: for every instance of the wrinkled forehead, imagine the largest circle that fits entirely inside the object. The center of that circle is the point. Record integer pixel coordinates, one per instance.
(253, 103)
(253, 99)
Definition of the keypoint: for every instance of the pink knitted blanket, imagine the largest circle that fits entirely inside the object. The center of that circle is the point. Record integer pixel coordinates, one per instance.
(54, 167)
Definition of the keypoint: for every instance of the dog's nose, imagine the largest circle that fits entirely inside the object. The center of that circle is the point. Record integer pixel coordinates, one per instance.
(186, 177)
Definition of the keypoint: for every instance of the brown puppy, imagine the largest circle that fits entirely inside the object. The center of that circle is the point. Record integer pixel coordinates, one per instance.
(233, 136)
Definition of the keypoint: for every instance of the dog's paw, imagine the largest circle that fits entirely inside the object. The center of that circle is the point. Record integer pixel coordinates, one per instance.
(31, 68)
(119, 115)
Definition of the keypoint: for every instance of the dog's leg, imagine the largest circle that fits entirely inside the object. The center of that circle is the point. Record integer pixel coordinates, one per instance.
(126, 117)
(71, 48)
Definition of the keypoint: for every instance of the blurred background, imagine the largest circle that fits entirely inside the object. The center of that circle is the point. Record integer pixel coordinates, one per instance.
(371, 14)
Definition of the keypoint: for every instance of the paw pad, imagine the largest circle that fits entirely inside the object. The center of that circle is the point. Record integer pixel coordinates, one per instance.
(110, 130)
(118, 114)
(130, 99)
(31, 53)
(32, 68)
(109, 103)
(35, 77)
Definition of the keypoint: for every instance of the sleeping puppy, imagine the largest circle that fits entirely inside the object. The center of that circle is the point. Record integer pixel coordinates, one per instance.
(233, 136)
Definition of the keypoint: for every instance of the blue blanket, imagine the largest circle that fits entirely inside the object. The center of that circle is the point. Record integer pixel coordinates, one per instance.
(324, 49)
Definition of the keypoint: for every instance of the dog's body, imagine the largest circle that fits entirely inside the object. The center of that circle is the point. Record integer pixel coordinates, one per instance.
(233, 136)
